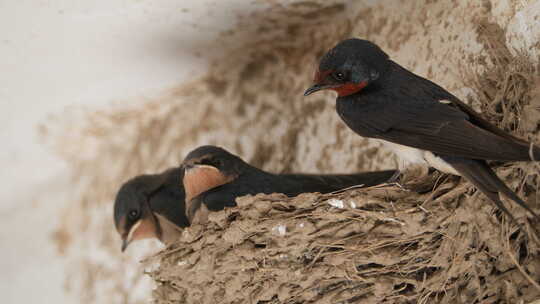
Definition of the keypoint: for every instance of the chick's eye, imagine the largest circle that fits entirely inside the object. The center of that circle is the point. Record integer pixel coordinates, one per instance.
(133, 214)
(212, 162)
(339, 76)
(207, 161)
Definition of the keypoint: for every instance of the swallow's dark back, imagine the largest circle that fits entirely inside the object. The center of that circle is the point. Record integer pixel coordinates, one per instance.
(304, 183)
(254, 181)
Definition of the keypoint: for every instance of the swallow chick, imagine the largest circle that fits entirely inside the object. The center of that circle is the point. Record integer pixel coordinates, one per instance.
(418, 120)
(214, 178)
(151, 206)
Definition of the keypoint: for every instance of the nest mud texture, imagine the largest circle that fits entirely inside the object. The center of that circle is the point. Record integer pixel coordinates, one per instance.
(385, 244)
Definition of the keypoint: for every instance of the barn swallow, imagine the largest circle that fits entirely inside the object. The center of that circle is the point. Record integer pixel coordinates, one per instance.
(151, 206)
(417, 119)
(214, 178)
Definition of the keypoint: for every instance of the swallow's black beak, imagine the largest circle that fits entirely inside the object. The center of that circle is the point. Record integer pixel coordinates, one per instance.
(318, 87)
(125, 243)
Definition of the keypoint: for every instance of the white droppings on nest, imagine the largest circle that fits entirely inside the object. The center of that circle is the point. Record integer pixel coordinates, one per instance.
(393, 220)
(336, 203)
(181, 263)
(280, 229)
(301, 225)
(185, 233)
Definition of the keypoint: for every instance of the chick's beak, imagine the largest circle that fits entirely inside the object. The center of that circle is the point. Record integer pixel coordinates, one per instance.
(125, 243)
(128, 237)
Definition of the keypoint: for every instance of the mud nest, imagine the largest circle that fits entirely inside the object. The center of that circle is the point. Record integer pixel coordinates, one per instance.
(385, 244)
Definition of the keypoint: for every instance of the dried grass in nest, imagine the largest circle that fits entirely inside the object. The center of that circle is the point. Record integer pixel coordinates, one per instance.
(507, 92)
(387, 245)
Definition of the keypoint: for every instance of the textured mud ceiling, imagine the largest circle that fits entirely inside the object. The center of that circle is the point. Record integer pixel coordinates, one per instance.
(251, 102)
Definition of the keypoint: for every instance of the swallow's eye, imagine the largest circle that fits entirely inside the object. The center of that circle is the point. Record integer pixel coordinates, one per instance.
(207, 161)
(339, 76)
(133, 214)
(214, 162)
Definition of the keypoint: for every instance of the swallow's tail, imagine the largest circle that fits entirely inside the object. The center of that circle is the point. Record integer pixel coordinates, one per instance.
(482, 176)
(304, 183)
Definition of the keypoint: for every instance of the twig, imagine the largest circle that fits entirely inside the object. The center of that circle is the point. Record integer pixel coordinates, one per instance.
(525, 274)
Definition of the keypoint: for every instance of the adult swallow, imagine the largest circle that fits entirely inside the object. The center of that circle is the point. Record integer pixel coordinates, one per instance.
(214, 178)
(417, 119)
(151, 206)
